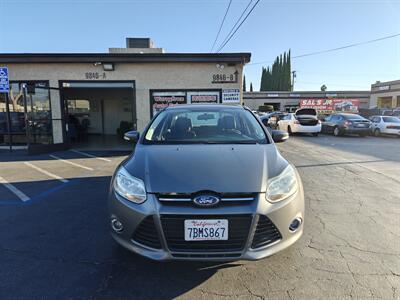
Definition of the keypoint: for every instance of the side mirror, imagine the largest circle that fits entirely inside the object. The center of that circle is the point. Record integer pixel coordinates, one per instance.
(279, 136)
(132, 136)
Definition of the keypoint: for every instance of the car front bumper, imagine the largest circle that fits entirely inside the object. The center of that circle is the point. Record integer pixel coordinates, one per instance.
(390, 131)
(281, 214)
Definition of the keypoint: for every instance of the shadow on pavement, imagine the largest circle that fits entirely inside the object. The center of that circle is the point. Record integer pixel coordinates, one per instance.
(60, 247)
(21, 155)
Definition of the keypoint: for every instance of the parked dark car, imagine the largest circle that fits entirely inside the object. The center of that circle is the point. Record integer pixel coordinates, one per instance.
(345, 123)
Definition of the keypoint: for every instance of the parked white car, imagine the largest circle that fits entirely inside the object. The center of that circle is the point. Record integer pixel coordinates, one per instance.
(385, 125)
(304, 120)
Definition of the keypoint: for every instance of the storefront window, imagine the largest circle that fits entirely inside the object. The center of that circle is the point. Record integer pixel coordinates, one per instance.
(37, 107)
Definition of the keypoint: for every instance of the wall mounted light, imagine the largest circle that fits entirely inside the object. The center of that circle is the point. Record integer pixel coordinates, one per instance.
(108, 66)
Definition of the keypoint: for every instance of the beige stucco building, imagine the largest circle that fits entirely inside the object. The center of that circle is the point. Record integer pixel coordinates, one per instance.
(385, 94)
(60, 95)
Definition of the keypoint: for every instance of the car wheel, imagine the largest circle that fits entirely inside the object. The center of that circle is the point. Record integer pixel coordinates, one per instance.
(315, 133)
(336, 131)
(289, 130)
(377, 132)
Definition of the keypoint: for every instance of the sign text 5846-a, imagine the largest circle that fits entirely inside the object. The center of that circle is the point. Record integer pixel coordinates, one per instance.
(95, 75)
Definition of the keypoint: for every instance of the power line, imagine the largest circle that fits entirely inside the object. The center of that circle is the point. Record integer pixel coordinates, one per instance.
(237, 28)
(336, 49)
(237, 21)
(222, 24)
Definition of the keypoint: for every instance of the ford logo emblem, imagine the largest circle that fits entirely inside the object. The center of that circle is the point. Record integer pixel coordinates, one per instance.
(206, 200)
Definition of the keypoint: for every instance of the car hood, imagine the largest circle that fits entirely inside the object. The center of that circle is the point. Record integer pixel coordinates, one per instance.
(194, 168)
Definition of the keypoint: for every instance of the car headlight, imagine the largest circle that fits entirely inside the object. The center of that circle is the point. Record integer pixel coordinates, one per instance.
(282, 186)
(129, 187)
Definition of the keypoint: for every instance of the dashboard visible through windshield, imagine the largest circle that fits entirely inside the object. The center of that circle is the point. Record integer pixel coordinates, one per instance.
(205, 126)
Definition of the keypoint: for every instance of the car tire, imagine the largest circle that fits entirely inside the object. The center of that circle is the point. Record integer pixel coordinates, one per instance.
(377, 132)
(336, 131)
(315, 133)
(289, 130)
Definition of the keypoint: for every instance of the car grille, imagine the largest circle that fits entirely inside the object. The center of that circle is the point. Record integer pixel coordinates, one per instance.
(146, 234)
(226, 199)
(222, 255)
(173, 226)
(266, 233)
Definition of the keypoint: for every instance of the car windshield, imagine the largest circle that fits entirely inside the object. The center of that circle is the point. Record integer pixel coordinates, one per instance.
(391, 120)
(205, 125)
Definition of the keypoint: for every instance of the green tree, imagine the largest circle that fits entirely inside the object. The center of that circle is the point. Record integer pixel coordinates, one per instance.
(262, 82)
(278, 76)
(244, 83)
(323, 87)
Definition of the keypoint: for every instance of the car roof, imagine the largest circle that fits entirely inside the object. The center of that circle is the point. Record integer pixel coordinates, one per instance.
(217, 106)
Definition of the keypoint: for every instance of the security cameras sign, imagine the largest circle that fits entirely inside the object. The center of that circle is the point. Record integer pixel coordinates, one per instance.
(4, 82)
(231, 96)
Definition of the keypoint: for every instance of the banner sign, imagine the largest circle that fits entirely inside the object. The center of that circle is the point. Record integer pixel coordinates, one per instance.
(203, 97)
(331, 105)
(164, 99)
(231, 96)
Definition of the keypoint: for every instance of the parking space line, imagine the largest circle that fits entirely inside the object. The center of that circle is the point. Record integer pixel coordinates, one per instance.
(46, 172)
(70, 162)
(13, 189)
(90, 155)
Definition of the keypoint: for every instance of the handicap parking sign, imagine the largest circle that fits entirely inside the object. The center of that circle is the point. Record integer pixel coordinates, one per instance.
(4, 83)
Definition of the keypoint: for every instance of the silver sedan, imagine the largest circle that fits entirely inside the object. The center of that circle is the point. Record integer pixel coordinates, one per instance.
(206, 182)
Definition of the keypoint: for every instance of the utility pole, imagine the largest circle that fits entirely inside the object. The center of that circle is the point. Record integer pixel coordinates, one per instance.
(293, 77)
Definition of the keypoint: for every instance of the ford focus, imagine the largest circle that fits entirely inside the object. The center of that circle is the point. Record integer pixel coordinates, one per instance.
(206, 182)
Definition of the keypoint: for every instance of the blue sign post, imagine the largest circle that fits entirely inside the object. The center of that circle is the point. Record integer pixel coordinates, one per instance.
(4, 83)
(5, 88)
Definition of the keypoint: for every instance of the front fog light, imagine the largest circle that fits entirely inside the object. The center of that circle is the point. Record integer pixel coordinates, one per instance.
(116, 225)
(295, 224)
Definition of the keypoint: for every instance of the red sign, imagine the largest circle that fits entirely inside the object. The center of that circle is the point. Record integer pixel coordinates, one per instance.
(331, 105)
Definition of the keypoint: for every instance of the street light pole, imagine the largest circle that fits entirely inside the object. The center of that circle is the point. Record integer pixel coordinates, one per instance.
(293, 77)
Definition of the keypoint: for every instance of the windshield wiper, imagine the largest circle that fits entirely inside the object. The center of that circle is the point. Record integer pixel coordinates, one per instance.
(228, 142)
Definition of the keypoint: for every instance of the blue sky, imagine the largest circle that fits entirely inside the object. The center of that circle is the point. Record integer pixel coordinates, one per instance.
(191, 25)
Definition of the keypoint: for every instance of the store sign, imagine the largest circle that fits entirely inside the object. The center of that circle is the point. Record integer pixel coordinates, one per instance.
(384, 88)
(203, 97)
(231, 96)
(164, 99)
(331, 105)
(4, 82)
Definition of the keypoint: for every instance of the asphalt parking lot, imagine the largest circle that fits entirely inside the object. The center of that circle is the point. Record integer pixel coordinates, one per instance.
(55, 242)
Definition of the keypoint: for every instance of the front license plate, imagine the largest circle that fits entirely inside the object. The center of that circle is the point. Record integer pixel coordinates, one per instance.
(206, 230)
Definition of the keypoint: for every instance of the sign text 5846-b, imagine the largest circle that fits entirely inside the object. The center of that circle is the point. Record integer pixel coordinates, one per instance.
(95, 75)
